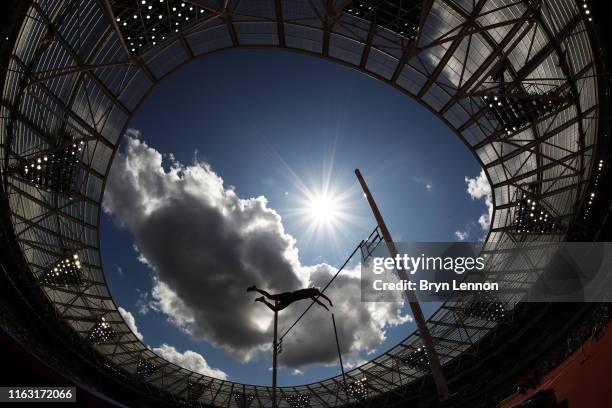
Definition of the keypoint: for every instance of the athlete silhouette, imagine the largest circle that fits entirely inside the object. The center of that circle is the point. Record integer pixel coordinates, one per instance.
(284, 299)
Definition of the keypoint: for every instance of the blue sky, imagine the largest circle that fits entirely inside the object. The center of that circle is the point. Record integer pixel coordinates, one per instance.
(253, 115)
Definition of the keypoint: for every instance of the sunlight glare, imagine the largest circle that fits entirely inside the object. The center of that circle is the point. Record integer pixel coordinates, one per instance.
(322, 208)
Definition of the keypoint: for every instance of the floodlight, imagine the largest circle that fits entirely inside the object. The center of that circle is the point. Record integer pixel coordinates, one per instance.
(357, 388)
(65, 272)
(243, 400)
(53, 169)
(514, 111)
(145, 368)
(416, 359)
(487, 309)
(298, 400)
(598, 172)
(402, 17)
(530, 217)
(586, 10)
(102, 332)
(155, 17)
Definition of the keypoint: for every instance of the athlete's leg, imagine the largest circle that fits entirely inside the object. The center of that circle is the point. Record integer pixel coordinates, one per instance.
(319, 302)
(263, 292)
(326, 298)
(264, 301)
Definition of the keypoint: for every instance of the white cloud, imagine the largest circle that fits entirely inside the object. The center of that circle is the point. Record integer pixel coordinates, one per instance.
(130, 321)
(462, 235)
(190, 360)
(205, 245)
(353, 364)
(478, 188)
(145, 304)
(425, 183)
(167, 301)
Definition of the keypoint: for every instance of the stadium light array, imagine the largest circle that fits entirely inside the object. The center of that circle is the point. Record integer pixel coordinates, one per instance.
(358, 388)
(102, 332)
(586, 10)
(515, 112)
(145, 368)
(53, 170)
(485, 310)
(417, 359)
(65, 272)
(243, 400)
(596, 185)
(146, 24)
(532, 218)
(402, 17)
(298, 400)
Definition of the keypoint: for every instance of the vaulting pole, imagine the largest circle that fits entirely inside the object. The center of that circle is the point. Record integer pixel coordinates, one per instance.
(274, 354)
(434, 361)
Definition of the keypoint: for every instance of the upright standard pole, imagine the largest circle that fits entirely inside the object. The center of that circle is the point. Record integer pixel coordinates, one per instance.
(340, 355)
(274, 354)
(434, 361)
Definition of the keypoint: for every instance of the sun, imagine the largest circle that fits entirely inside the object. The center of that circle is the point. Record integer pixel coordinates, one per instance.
(325, 214)
(323, 208)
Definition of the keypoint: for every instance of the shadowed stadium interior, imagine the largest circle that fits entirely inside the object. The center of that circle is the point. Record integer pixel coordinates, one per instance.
(522, 83)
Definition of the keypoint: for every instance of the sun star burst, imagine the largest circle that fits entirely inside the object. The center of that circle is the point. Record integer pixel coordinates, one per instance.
(325, 210)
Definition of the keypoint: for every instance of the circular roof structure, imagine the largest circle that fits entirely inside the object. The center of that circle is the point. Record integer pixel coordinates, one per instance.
(515, 80)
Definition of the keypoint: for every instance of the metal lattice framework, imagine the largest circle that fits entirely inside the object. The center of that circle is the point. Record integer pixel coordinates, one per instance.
(82, 68)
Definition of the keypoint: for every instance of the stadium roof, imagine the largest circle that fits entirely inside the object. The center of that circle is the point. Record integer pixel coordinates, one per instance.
(515, 80)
